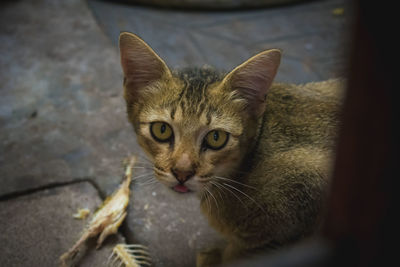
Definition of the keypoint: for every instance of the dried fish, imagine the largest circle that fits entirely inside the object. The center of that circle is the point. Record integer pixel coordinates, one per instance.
(107, 218)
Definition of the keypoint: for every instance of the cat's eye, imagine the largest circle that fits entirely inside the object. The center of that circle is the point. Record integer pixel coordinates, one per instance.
(161, 131)
(216, 139)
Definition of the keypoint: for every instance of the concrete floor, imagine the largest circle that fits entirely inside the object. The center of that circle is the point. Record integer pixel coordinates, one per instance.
(63, 128)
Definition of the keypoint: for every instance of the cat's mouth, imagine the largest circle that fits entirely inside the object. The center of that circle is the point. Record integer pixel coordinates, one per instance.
(191, 185)
(177, 187)
(180, 188)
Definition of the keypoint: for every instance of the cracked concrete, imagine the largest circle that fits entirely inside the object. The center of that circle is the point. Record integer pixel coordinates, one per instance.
(38, 228)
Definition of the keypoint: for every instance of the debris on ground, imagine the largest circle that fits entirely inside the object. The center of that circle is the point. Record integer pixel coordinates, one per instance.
(107, 218)
(81, 214)
(129, 256)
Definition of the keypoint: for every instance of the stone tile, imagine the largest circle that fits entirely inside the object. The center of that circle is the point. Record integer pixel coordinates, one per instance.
(308, 33)
(62, 114)
(219, 52)
(38, 228)
(293, 69)
(170, 224)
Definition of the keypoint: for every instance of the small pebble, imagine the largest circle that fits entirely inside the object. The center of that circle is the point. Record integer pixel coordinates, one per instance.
(338, 11)
(81, 214)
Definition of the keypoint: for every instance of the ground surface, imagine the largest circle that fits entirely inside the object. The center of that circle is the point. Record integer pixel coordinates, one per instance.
(63, 122)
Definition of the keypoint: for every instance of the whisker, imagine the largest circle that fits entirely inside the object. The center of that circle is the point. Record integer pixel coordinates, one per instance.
(159, 171)
(141, 176)
(217, 189)
(231, 180)
(142, 167)
(216, 202)
(209, 202)
(145, 158)
(151, 181)
(207, 199)
(240, 191)
(233, 193)
(145, 162)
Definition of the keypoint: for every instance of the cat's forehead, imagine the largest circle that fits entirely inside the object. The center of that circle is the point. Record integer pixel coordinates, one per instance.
(194, 90)
(193, 102)
(191, 114)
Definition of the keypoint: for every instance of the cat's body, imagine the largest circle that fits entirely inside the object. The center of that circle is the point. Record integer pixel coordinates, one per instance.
(284, 176)
(258, 154)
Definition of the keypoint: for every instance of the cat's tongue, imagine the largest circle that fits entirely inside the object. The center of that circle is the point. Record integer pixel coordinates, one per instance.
(181, 188)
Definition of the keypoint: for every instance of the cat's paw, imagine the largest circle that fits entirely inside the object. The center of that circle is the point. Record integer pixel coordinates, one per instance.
(209, 257)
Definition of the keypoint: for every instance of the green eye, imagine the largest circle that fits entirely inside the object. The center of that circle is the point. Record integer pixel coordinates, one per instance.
(216, 139)
(161, 131)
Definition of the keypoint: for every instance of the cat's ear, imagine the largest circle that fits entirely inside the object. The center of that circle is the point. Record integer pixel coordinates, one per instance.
(252, 79)
(140, 64)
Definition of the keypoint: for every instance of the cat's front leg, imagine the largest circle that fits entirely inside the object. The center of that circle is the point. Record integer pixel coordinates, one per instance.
(209, 258)
(232, 251)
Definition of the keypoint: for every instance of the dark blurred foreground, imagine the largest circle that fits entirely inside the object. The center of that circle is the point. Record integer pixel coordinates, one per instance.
(361, 224)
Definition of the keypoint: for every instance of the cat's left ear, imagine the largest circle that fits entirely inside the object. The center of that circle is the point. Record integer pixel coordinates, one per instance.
(252, 79)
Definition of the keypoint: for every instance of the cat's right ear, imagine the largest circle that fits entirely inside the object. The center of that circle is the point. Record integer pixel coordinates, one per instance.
(140, 64)
(252, 79)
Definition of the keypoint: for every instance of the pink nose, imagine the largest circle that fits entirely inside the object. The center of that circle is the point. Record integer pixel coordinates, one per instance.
(182, 176)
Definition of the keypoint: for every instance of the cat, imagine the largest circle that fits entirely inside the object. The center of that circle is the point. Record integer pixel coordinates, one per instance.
(257, 153)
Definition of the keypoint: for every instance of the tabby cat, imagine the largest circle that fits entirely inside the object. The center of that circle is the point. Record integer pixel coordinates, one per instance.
(257, 153)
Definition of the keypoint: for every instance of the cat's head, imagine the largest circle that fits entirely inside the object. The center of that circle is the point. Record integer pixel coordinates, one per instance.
(196, 124)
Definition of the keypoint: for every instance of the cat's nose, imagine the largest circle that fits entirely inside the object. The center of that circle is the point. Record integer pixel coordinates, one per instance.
(182, 175)
(183, 169)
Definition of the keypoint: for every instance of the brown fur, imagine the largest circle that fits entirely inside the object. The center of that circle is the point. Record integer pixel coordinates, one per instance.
(266, 187)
